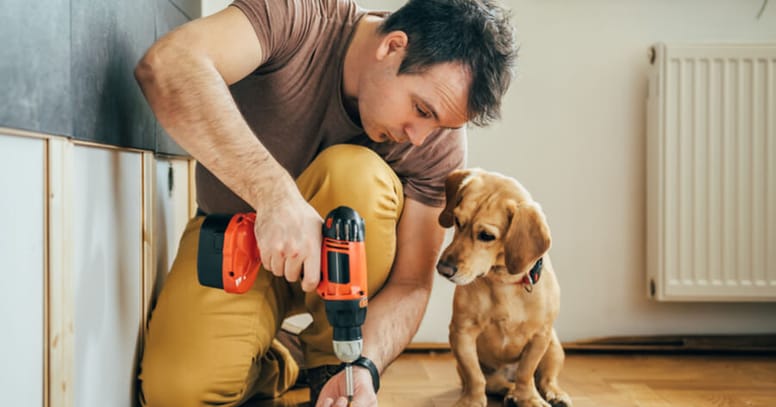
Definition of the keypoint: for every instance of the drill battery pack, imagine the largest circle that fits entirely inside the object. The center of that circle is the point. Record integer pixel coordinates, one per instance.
(228, 257)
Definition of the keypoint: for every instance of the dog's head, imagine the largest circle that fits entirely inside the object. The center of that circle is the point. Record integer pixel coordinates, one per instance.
(499, 228)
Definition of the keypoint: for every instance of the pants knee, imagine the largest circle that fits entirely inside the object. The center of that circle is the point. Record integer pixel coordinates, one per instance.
(358, 174)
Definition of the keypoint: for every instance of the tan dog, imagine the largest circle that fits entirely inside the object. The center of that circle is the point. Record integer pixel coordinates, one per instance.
(501, 332)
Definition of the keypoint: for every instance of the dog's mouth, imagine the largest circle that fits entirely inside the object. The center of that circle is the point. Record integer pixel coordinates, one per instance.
(451, 272)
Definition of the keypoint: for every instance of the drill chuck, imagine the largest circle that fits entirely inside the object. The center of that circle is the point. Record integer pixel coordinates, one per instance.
(348, 351)
(346, 318)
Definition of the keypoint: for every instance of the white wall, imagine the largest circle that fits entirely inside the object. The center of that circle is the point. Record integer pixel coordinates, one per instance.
(213, 6)
(574, 134)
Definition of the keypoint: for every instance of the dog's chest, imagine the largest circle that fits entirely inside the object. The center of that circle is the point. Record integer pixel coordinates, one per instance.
(508, 327)
(507, 321)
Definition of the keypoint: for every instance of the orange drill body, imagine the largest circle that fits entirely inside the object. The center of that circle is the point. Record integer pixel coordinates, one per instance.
(333, 284)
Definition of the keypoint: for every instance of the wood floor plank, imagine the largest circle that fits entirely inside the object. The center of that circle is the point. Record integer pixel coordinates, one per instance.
(419, 379)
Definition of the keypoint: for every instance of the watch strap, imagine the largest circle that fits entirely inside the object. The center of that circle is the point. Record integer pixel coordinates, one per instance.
(364, 362)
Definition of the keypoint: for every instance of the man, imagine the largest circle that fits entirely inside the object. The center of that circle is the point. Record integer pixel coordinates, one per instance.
(291, 108)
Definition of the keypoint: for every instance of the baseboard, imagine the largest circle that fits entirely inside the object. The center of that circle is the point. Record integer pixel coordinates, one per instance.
(765, 343)
(428, 346)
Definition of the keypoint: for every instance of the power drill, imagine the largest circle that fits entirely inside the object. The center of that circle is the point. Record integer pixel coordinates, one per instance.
(228, 258)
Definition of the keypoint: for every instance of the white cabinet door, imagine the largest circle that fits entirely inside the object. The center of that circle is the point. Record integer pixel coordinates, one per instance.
(22, 194)
(107, 271)
(171, 212)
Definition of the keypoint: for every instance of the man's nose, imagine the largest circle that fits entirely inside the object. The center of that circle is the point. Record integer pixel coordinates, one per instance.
(417, 133)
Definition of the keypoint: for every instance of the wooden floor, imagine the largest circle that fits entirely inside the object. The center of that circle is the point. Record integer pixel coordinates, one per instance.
(595, 380)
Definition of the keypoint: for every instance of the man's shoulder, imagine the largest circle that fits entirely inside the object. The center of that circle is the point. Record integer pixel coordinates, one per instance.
(323, 8)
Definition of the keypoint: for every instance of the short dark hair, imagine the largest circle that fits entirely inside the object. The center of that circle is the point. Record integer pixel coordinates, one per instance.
(477, 33)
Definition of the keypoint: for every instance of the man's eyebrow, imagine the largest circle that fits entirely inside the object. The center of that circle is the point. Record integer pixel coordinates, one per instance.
(431, 109)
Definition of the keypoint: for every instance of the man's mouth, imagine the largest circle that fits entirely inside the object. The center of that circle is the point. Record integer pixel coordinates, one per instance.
(393, 138)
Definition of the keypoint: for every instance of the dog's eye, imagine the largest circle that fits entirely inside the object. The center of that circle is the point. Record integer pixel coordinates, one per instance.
(485, 236)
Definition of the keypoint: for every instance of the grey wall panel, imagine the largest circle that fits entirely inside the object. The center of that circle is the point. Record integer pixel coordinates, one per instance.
(108, 38)
(191, 8)
(168, 16)
(35, 65)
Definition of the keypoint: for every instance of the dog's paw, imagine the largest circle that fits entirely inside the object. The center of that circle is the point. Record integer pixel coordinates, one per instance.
(472, 401)
(535, 401)
(555, 395)
(562, 401)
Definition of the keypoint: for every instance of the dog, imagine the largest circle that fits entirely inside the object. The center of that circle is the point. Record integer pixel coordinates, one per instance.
(507, 297)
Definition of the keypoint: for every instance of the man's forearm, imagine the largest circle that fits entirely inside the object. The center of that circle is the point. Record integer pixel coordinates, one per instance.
(400, 308)
(394, 314)
(193, 104)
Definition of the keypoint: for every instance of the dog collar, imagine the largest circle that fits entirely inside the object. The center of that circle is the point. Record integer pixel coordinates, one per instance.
(533, 276)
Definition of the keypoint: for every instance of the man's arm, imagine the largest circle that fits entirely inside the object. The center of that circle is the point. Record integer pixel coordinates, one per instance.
(185, 77)
(396, 312)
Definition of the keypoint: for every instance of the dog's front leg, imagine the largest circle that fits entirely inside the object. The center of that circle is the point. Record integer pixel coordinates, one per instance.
(525, 394)
(463, 340)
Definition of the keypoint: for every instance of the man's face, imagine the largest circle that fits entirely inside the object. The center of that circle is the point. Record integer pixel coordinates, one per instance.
(410, 107)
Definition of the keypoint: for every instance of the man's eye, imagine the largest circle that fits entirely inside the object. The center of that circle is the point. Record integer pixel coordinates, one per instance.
(422, 112)
(485, 236)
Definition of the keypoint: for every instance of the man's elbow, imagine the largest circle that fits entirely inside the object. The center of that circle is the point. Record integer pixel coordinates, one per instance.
(148, 67)
(161, 61)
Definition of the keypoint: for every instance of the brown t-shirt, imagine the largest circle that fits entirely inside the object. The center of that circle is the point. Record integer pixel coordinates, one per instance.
(293, 102)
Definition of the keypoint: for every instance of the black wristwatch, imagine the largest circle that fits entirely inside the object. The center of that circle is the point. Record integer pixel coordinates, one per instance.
(370, 366)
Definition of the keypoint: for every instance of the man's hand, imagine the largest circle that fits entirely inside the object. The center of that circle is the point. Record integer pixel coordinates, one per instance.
(288, 232)
(334, 392)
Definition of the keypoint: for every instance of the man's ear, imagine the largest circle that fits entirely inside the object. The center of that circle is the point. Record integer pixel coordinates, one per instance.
(528, 237)
(394, 41)
(452, 186)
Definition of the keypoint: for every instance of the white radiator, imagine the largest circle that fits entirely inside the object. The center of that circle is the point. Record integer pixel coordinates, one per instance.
(711, 173)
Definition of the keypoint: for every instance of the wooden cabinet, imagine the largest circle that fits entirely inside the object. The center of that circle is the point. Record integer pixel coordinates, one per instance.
(89, 232)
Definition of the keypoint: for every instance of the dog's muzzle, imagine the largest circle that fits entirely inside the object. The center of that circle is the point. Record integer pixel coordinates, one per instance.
(446, 269)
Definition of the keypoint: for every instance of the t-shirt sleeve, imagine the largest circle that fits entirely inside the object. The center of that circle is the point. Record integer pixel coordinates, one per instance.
(423, 169)
(424, 175)
(280, 25)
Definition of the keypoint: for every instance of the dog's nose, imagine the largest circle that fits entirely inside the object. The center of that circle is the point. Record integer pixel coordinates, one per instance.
(446, 269)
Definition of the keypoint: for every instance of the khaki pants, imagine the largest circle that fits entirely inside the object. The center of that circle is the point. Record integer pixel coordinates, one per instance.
(206, 347)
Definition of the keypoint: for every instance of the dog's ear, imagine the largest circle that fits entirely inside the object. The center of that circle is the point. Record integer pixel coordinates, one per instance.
(452, 185)
(528, 237)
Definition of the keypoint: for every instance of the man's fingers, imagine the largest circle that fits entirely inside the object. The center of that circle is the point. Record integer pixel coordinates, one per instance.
(327, 402)
(277, 266)
(312, 273)
(293, 268)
